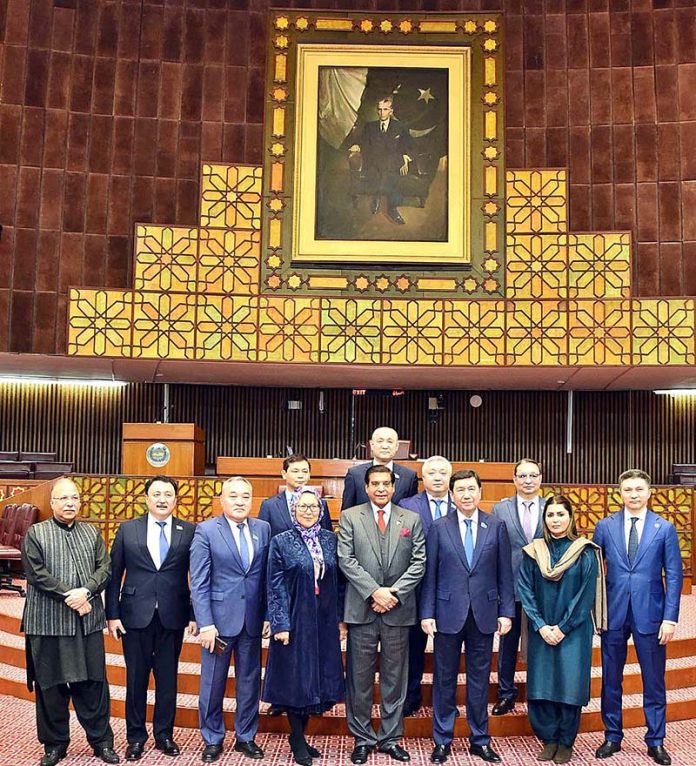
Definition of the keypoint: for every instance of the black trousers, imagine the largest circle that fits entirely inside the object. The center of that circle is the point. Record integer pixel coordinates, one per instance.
(91, 702)
(417, 642)
(554, 722)
(155, 650)
(507, 657)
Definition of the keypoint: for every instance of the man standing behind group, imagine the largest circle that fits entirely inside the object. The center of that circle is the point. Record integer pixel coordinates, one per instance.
(150, 610)
(276, 510)
(67, 567)
(522, 514)
(640, 549)
(384, 444)
(432, 503)
(467, 595)
(228, 589)
(381, 551)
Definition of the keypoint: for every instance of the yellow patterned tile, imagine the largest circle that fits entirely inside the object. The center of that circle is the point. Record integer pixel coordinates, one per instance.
(412, 332)
(289, 329)
(537, 333)
(663, 331)
(351, 331)
(537, 201)
(166, 258)
(599, 332)
(99, 322)
(231, 196)
(228, 261)
(164, 325)
(536, 266)
(599, 265)
(474, 333)
(226, 328)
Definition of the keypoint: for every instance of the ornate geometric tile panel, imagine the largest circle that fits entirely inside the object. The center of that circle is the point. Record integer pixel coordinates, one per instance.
(231, 196)
(100, 322)
(166, 258)
(474, 333)
(663, 331)
(164, 325)
(599, 265)
(226, 327)
(537, 266)
(412, 332)
(599, 332)
(351, 330)
(537, 333)
(536, 202)
(289, 329)
(228, 262)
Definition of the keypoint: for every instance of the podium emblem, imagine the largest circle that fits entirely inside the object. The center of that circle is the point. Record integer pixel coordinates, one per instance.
(158, 455)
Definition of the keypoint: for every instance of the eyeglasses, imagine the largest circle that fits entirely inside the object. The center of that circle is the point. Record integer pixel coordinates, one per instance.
(66, 499)
(302, 508)
(524, 476)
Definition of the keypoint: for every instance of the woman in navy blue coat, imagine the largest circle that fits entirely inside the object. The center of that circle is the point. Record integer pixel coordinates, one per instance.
(304, 671)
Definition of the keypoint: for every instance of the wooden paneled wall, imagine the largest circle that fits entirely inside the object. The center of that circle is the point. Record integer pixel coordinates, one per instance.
(612, 431)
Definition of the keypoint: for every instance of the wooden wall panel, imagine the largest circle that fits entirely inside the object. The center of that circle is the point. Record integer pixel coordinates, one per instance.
(612, 431)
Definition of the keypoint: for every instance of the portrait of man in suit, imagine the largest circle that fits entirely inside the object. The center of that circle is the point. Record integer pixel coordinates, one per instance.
(381, 552)
(644, 581)
(276, 510)
(229, 555)
(466, 597)
(522, 514)
(434, 502)
(384, 444)
(148, 607)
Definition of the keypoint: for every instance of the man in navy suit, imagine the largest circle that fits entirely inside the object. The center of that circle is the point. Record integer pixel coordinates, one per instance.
(640, 549)
(384, 445)
(522, 515)
(432, 503)
(276, 510)
(467, 595)
(228, 589)
(150, 610)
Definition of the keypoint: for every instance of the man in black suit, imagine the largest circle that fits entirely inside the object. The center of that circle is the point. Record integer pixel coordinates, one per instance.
(150, 610)
(384, 445)
(386, 148)
(276, 510)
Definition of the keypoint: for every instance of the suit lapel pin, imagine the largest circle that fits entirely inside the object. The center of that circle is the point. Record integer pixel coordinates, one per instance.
(657, 525)
(255, 537)
(396, 476)
(180, 528)
(484, 525)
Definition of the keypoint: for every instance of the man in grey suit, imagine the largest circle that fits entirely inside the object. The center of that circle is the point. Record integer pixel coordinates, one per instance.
(381, 552)
(522, 515)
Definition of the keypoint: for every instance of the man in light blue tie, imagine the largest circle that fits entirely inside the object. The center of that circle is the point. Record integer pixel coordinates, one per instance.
(644, 581)
(466, 597)
(522, 516)
(432, 503)
(228, 578)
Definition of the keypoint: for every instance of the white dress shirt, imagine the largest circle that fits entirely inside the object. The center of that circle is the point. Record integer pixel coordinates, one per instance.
(474, 525)
(443, 508)
(153, 537)
(534, 508)
(639, 524)
(247, 535)
(387, 512)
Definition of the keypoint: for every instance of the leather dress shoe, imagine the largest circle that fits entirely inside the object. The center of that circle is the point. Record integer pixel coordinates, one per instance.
(411, 709)
(607, 749)
(376, 204)
(249, 749)
(548, 751)
(211, 753)
(53, 755)
(274, 711)
(563, 754)
(107, 754)
(394, 215)
(504, 706)
(659, 755)
(134, 751)
(167, 746)
(395, 751)
(360, 753)
(440, 753)
(313, 752)
(485, 753)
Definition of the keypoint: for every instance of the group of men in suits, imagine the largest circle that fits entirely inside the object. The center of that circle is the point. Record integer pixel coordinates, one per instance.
(416, 565)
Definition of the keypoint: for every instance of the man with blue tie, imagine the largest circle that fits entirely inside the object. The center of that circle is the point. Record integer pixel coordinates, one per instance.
(430, 504)
(644, 580)
(228, 589)
(466, 596)
(150, 610)
(522, 516)
(276, 510)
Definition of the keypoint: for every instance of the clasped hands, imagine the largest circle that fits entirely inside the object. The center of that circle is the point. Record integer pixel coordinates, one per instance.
(78, 599)
(552, 634)
(429, 627)
(383, 599)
